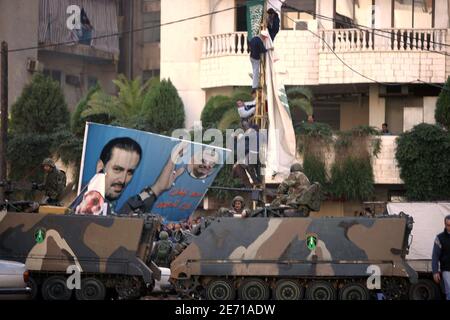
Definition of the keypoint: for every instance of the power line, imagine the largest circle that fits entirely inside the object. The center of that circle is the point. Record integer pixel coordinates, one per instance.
(355, 24)
(125, 32)
(350, 67)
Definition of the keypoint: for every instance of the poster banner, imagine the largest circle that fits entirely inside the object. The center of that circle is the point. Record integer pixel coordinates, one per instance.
(125, 168)
(255, 12)
(281, 149)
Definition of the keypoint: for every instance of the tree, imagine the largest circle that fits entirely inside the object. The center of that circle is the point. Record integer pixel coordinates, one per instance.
(126, 109)
(442, 112)
(165, 108)
(423, 156)
(39, 118)
(300, 98)
(71, 147)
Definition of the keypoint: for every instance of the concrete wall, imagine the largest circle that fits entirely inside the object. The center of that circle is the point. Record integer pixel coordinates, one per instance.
(385, 168)
(19, 27)
(181, 50)
(354, 114)
(79, 66)
(382, 66)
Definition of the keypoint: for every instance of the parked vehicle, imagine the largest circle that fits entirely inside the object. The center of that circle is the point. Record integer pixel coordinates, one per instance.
(13, 280)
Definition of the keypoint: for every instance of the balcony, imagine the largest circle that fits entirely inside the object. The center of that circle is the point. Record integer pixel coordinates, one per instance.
(55, 37)
(388, 55)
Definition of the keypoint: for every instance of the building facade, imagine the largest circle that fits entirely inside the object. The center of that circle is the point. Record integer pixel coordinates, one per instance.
(77, 60)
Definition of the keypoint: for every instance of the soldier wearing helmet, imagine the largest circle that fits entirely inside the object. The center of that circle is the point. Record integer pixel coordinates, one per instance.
(54, 183)
(237, 209)
(163, 250)
(297, 192)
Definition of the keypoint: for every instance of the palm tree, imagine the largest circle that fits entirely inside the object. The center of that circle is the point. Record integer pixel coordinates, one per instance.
(300, 98)
(124, 108)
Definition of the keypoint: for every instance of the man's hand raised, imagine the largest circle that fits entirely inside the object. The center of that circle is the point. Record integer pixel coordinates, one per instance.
(168, 175)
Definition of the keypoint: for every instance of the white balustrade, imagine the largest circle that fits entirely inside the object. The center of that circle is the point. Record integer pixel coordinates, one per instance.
(345, 40)
(234, 43)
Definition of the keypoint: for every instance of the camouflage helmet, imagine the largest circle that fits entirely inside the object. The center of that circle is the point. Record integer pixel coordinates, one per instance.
(238, 198)
(296, 167)
(48, 162)
(163, 235)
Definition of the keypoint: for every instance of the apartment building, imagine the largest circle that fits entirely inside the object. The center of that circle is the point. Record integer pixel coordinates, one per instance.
(388, 71)
(77, 59)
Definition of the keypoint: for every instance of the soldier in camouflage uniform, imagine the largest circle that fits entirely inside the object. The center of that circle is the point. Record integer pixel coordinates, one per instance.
(54, 183)
(237, 209)
(163, 250)
(297, 192)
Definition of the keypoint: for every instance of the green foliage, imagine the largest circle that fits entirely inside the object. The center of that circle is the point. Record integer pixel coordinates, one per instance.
(423, 155)
(39, 118)
(313, 134)
(315, 169)
(352, 175)
(301, 98)
(230, 120)
(123, 109)
(214, 110)
(360, 139)
(165, 109)
(352, 179)
(442, 112)
(77, 123)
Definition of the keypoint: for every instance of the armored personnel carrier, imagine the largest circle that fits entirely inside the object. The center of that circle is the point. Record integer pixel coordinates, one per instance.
(348, 258)
(109, 253)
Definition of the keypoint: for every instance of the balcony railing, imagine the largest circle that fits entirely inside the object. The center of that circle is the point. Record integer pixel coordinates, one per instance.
(340, 40)
(234, 43)
(345, 40)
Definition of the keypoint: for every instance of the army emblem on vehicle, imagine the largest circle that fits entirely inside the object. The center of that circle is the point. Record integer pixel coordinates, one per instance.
(39, 235)
(311, 241)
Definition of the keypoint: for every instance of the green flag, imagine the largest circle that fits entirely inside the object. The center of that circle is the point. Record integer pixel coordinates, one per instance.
(255, 12)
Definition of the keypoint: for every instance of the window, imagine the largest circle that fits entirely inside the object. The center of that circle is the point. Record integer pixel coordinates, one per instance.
(413, 13)
(151, 22)
(290, 12)
(92, 81)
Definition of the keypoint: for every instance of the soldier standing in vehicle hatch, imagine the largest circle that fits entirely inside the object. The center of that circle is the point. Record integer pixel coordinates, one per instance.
(54, 183)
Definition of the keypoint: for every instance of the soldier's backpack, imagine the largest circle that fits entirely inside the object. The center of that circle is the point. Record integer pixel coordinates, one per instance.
(164, 250)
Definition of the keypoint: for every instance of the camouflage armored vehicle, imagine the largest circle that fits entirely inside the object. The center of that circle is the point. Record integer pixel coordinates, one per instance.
(111, 253)
(294, 258)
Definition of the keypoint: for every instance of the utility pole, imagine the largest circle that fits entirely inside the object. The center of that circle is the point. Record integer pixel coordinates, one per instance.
(4, 116)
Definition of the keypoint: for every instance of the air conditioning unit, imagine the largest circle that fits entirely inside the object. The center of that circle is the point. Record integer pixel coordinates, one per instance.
(33, 65)
(306, 25)
(394, 91)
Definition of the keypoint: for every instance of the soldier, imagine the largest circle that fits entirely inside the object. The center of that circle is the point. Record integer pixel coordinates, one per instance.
(54, 183)
(163, 250)
(297, 192)
(236, 210)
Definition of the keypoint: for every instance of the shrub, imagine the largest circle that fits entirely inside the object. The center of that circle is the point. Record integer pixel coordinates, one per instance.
(39, 118)
(423, 155)
(442, 112)
(165, 111)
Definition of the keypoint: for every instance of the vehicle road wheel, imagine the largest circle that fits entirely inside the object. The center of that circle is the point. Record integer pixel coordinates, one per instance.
(288, 290)
(55, 288)
(220, 289)
(320, 290)
(254, 289)
(354, 291)
(34, 288)
(91, 289)
(424, 289)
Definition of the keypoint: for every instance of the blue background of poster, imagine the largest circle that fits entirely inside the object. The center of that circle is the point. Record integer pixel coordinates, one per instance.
(187, 192)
